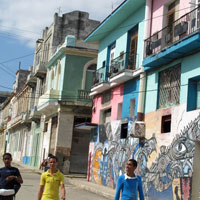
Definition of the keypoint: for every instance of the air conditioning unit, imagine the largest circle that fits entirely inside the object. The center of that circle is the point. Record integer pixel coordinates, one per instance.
(180, 28)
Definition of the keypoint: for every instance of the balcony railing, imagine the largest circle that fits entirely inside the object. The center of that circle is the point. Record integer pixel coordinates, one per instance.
(99, 76)
(84, 95)
(119, 64)
(172, 33)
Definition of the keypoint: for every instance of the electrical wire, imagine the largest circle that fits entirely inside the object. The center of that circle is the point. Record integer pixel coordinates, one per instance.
(10, 74)
(75, 96)
(132, 24)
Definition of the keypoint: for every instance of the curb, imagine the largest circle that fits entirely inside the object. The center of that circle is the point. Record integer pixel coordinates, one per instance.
(104, 191)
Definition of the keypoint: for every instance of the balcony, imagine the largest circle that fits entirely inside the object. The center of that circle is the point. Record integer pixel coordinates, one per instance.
(99, 83)
(40, 70)
(48, 102)
(15, 121)
(25, 118)
(31, 80)
(34, 114)
(121, 71)
(178, 39)
(84, 95)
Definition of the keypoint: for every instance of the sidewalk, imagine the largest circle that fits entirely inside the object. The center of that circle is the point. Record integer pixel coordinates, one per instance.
(92, 187)
(77, 180)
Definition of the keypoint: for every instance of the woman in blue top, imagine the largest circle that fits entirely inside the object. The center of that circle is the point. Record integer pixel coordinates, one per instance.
(129, 184)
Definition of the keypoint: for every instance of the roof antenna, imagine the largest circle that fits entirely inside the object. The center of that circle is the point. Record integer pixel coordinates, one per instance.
(112, 6)
(19, 65)
(59, 10)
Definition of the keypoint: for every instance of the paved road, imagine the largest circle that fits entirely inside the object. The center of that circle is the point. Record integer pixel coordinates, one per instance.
(30, 188)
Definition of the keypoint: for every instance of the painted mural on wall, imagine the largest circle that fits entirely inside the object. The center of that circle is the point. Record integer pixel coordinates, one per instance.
(170, 174)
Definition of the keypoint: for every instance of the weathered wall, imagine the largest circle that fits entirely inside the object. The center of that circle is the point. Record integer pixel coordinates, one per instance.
(165, 161)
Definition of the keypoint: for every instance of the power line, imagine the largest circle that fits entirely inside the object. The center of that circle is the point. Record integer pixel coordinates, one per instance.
(22, 30)
(17, 58)
(6, 87)
(31, 54)
(6, 71)
(7, 67)
(75, 96)
(133, 24)
(91, 33)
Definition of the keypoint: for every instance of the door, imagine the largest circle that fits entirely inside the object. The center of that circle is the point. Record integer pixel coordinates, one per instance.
(79, 151)
(111, 58)
(133, 51)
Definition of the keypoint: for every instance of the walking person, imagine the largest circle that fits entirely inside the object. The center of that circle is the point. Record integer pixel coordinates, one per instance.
(10, 179)
(129, 184)
(51, 181)
(45, 163)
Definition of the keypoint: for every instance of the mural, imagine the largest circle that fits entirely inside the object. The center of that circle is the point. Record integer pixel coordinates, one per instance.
(170, 174)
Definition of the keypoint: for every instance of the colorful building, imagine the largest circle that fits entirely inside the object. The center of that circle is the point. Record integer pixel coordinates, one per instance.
(42, 82)
(171, 65)
(116, 113)
(152, 94)
(66, 102)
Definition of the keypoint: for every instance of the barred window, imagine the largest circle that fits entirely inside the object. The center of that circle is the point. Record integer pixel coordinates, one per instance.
(169, 87)
(106, 97)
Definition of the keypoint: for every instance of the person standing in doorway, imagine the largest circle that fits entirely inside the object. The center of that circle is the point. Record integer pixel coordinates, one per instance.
(51, 181)
(10, 179)
(129, 184)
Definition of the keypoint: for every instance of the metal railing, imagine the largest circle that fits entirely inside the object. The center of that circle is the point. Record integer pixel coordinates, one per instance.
(122, 62)
(119, 64)
(99, 76)
(172, 33)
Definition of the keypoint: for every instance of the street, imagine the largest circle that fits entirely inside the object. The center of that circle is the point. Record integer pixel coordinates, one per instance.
(31, 184)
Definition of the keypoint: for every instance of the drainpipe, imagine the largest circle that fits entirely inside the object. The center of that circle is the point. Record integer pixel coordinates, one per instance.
(147, 32)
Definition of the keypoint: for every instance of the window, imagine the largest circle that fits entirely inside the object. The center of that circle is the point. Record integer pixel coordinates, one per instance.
(193, 97)
(105, 116)
(46, 127)
(119, 111)
(110, 57)
(166, 124)
(133, 37)
(132, 109)
(106, 97)
(112, 54)
(169, 87)
(93, 134)
(124, 131)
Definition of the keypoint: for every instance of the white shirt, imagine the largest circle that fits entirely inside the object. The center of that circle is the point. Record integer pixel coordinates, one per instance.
(129, 177)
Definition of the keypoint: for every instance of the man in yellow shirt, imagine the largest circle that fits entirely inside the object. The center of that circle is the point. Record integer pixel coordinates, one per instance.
(50, 182)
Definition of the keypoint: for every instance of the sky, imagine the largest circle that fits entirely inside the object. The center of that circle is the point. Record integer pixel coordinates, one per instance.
(22, 23)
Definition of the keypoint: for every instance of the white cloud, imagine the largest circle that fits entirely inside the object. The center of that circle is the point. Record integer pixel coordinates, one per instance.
(25, 19)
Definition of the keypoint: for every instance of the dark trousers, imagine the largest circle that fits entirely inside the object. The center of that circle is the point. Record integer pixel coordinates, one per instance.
(7, 197)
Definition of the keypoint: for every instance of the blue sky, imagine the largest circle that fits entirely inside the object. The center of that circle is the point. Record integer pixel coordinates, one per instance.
(22, 22)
